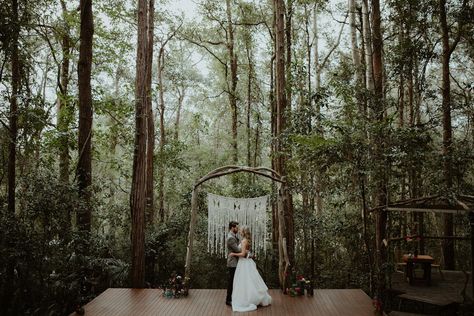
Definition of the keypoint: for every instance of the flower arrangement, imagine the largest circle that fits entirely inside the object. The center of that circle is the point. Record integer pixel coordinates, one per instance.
(175, 287)
(412, 243)
(377, 304)
(299, 285)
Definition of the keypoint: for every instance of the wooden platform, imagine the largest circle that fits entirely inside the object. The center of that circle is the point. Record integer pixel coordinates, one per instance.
(116, 301)
(446, 287)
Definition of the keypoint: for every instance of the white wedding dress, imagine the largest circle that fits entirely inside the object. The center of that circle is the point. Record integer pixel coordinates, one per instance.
(249, 290)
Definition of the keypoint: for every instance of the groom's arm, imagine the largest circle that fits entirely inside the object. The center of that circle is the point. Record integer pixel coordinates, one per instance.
(243, 252)
(232, 244)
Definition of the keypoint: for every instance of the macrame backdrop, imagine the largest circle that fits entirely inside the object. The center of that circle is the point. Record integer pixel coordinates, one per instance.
(250, 212)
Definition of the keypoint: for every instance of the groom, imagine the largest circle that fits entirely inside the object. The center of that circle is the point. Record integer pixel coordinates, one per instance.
(232, 246)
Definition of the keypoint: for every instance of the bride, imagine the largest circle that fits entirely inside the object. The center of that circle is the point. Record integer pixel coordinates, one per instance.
(249, 290)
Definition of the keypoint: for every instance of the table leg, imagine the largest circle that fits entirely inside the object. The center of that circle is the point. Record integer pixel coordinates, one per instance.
(428, 277)
(409, 272)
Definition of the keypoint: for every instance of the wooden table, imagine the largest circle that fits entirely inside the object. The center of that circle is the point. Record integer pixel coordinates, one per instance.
(424, 260)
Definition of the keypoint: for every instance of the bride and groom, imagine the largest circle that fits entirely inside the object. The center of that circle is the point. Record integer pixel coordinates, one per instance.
(245, 288)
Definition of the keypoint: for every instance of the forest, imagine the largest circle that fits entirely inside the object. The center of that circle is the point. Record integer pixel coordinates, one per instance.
(111, 110)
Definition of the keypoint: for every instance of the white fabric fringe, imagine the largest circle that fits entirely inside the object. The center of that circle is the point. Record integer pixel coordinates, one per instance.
(251, 212)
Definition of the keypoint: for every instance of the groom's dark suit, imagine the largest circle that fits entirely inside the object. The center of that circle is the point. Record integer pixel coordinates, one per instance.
(232, 246)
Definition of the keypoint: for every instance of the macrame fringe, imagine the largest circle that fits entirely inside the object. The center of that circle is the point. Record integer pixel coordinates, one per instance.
(251, 212)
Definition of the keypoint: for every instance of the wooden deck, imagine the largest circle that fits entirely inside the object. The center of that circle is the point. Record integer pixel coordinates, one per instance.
(116, 301)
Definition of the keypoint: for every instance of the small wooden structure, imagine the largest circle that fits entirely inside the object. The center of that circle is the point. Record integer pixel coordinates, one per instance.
(424, 260)
(284, 261)
(453, 204)
(207, 302)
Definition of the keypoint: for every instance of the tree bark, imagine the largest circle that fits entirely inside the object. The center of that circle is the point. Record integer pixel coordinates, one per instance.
(378, 116)
(181, 95)
(249, 101)
(161, 202)
(369, 73)
(401, 85)
(233, 81)
(318, 201)
(11, 168)
(281, 115)
(288, 40)
(355, 46)
(138, 192)
(448, 245)
(150, 149)
(84, 166)
(63, 109)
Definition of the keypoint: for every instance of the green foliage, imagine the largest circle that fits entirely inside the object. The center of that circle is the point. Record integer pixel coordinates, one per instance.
(49, 277)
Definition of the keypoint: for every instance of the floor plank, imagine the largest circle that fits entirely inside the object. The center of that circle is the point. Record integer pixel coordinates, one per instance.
(145, 302)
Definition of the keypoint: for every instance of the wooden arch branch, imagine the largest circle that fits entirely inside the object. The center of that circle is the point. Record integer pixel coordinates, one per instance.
(219, 172)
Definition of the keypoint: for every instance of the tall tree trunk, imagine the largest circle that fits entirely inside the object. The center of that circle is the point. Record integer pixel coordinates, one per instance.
(273, 126)
(369, 72)
(448, 245)
(256, 154)
(233, 81)
(161, 177)
(181, 94)
(281, 115)
(305, 104)
(378, 110)
(138, 191)
(318, 201)
(355, 46)
(288, 39)
(63, 109)
(84, 166)
(411, 113)
(11, 169)
(401, 85)
(13, 119)
(150, 148)
(249, 101)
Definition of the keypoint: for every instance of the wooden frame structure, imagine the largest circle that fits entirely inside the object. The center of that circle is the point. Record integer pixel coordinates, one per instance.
(454, 204)
(271, 174)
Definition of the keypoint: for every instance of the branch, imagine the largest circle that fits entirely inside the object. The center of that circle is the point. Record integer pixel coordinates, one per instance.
(460, 27)
(5, 125)
(335, 45)
(207, 49)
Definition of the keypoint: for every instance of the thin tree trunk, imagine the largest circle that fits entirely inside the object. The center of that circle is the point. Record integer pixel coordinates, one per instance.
(256, 155)
(181, 95)
(138, 192)
(355, 46)
(448, 245)
(63, 110)
(305, 103)
(249, 102)
(281, 115)
(378, 115)
(273, 123)
(369, 73)
(11, 169)
(288, 40)
(318, 201)
(150, 149)
(411, 113)
(161, 177)
(401, 85)
(233, 81)
(13, 119)
(84, 166)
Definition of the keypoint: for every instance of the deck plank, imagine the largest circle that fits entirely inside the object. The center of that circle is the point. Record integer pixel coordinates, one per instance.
(146, 302)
